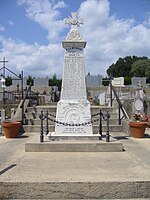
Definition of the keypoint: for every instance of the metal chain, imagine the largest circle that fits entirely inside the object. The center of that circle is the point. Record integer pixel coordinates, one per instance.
(68, 124)
(80, 124)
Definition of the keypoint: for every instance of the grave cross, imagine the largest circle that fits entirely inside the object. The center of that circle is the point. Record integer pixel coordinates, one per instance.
(3, 61)
(73, 20)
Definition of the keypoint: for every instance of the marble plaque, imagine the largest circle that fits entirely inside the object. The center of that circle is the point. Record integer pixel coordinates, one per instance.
(138, 104)
(76, 115)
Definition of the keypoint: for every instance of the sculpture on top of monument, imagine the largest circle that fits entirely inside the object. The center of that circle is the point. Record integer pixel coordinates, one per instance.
(74, 22)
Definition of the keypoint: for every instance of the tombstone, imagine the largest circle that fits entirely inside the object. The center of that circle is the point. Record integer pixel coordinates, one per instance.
(41, 82)
(119, 81)
(16, 82)
(73, 109)
(139, 102)
(136, 81)
(93, 81)
(102, 99)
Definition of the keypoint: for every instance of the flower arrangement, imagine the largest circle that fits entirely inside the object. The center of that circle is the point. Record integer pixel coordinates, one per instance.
(138, 124)
(137, 117)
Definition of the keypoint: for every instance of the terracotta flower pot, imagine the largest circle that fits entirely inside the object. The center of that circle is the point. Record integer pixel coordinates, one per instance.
(11, 129)
(137, 129)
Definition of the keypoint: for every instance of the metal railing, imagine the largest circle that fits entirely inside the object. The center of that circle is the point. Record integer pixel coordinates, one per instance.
(23, 101)
(52, 118)
(120, 106)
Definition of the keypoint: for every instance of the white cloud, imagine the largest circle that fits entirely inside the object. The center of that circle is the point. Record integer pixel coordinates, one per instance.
(45, 13)
(2, 28)
(34, 59)
(11, 23)
(108, 38)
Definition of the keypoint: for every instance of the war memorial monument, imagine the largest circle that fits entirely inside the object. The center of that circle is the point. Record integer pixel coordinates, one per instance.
(73, 109)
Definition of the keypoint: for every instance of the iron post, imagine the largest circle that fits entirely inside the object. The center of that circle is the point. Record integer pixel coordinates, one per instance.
(100, 122)
(107, 127)
(47, 130)
(41, 129)
(111, 91)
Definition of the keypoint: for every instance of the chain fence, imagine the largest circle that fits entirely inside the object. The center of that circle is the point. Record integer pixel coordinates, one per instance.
(50, 117)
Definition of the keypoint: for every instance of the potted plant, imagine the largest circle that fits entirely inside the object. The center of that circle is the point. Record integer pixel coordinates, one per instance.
(137, 125)
(11, 128)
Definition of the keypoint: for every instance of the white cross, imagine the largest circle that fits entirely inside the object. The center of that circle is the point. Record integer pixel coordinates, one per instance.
(74, 20)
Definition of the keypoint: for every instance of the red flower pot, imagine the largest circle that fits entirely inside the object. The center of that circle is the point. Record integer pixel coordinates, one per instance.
(137, 129)
(11, 129)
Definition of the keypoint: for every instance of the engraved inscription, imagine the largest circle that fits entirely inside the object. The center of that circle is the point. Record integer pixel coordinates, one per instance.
(74, 130)
(73, 86)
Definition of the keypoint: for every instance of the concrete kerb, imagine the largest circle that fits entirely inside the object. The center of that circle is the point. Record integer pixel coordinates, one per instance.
(74, 144)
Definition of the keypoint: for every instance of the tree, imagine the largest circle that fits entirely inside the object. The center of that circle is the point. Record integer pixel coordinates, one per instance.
(123, 67)
(141, 68)
(55, 82)
(105, 81)
(8, 81)
(30, 79)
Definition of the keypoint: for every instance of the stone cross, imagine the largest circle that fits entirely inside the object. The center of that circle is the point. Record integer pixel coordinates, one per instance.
(74, 21)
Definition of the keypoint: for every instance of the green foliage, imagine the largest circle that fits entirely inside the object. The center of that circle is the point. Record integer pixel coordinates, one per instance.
(55, 82)
(127, 80)
(105, 81)
(130, 66)
(141, 68)
(30, 79)
(8, 81)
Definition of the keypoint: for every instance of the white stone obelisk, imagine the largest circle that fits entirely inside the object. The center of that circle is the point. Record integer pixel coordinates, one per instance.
(73, 109)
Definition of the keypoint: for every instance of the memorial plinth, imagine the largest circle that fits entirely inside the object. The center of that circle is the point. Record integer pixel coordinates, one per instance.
(73, 110)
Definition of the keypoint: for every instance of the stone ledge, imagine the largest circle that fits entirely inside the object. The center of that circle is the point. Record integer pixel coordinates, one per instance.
(74, 146)
(54, 137)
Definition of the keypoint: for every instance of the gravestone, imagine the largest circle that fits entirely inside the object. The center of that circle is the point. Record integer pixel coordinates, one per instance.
(93, 81)
(41, 82)
(136, 81)
(119, 81)
(139, 98)
(102, 99)
(73, 110)
(16, 82)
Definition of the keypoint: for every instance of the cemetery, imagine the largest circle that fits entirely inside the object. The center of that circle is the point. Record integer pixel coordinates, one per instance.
(75, 143)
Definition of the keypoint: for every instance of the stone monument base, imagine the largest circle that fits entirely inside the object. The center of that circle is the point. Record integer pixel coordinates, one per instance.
(54, 137)
(73, 118)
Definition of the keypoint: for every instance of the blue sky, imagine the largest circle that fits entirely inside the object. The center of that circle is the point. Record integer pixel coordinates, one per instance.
(31, 32)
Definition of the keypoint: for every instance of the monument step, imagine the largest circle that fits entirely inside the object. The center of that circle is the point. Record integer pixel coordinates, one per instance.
(43, 108)
(112, 128)
(53, 137)
(74, 146)
(32, 115)
(52, 108)
(37, 121)
(36, 128)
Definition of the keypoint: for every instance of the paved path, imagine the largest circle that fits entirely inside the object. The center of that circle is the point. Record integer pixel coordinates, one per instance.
(16, 165)
(131, 165)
